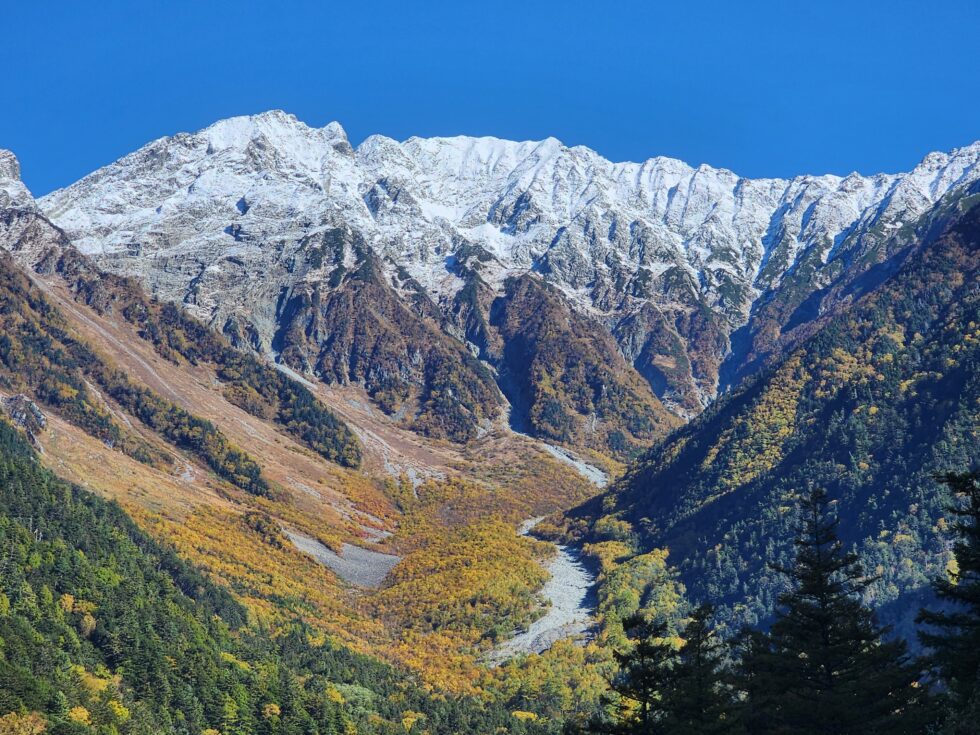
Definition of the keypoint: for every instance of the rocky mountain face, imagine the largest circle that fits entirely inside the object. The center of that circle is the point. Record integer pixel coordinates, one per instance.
(566, 379)
(42, 352)
(24, 230)
(407, 267)
(877, 403)
(355, 327)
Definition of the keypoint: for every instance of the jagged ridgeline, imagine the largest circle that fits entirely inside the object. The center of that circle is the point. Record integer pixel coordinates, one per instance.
(393, 266)
(881, 398)
(102, 629)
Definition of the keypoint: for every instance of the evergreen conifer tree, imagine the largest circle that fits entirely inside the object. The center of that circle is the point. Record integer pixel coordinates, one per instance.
(754, 676)
(825, 667)
(641, 683)
(645, 675)
(953, 634)
(697, 702)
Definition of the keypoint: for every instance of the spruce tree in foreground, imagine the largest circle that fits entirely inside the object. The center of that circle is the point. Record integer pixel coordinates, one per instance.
(640, 685)
(697, 702)
(645, 674)
(825, 667)
(754, 677)
(953, 635)
(666, 690)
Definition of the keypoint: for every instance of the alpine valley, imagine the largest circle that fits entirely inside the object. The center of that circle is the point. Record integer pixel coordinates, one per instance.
(460, 435)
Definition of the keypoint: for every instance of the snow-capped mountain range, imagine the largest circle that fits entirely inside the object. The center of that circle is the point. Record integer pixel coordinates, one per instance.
(670, 260)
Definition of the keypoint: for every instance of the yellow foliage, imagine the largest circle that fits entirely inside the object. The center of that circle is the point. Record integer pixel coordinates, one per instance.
(316, 639)
(953, 569)
(67, 602)
(567, 678)
(86, 626)
(92, 683)
(235, 660)
(444, 596)
(14, 723)
(84, 606)
(608, 552)
(409, 718)
(645, 579)
(263, 575)
(755, 443)
(65, 393)
(614, 529)
(80, 715)
(119, 711)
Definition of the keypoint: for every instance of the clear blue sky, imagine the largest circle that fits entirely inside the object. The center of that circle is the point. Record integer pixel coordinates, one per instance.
(761, 87)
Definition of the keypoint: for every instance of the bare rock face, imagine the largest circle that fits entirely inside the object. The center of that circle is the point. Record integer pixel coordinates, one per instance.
(355, 327)
(26, 414)
(13, 193)
(234, 222)
(24, 230)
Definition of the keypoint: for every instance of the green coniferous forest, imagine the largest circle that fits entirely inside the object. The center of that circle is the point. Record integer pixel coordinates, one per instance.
(825, 665)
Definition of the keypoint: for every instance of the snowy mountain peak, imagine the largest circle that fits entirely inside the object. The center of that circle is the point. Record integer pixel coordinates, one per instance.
(13, 193)
(279, 130)
(220, 220)
(9, 165)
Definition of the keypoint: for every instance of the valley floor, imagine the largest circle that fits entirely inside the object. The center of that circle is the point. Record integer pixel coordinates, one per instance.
(569, 594)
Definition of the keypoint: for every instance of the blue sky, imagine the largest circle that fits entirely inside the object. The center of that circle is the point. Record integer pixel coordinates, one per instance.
(760, 87)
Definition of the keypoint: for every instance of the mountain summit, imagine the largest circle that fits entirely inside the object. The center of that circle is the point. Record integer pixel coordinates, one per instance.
(694, 276)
